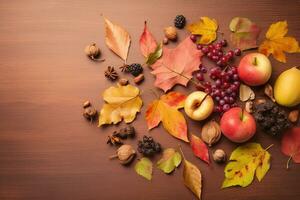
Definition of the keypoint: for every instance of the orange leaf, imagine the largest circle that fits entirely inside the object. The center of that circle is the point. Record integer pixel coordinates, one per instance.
(117, 39)
(199, 148)
(147, 42)
(176, 65)
(165, 110)
(277, 43)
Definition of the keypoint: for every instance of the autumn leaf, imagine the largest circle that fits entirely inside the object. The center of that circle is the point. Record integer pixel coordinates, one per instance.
(176, 65)
(277, 43)
(117, 39)
(290, 145)
(244, 33)
(199, 148)
(169, 161)
(165, 110)
(144, 168)
(245, 162)
(147, 42)
(192, 177)
(206, 27)
(121, 103)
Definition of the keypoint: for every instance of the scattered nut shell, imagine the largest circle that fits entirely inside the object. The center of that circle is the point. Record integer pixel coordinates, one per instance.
(86, 104)
(219, 156)
(260, 101)
(269, 92)
(171, 33)
(138, 79)
(90, 113)
(246, 93)
(123, 81)
(211, 132)
(249, 106)
(293, 116)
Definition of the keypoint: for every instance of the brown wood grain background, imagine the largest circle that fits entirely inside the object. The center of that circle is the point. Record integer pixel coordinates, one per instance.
(48, 150)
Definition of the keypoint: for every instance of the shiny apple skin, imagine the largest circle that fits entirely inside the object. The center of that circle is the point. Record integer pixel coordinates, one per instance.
(236, 128)
(255, 75)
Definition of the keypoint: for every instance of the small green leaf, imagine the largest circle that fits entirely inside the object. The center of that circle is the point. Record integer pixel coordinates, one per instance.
(144, 168)
(154, 56)
(169, 161)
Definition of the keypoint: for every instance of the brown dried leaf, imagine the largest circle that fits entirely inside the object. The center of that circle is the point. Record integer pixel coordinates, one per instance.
(246, 93)
(294, 115)
(192, 178)
(117, 39)
(269, 92)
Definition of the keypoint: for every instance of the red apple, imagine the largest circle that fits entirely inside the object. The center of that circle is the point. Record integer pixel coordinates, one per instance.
(255, 69)
(238, 125)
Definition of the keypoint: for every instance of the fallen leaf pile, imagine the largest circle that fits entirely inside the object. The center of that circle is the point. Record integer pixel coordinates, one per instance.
(206, 28)
(165, 110)
(277, 43)
(121, 103)
(246, 161)
(244, 33)
(290, 145)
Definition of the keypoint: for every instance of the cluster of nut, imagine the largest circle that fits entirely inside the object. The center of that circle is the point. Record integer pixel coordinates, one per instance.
(89, 112)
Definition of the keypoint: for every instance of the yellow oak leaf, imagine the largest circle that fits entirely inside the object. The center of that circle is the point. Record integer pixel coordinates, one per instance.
(206, 27)
(245, 162)
(121, 103)
(277, 43)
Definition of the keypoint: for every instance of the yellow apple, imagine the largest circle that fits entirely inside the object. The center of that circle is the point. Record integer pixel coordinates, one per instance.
(198, 105)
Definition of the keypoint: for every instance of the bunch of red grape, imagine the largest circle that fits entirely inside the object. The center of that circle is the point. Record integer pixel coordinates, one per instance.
(225, 85)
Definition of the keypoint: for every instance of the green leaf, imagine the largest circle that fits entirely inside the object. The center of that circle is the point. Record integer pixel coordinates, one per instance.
(144, 168)
(169, 161)
(154, 56)
(245, 162)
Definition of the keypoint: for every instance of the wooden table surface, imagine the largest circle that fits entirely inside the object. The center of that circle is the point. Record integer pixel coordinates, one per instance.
(49, 151)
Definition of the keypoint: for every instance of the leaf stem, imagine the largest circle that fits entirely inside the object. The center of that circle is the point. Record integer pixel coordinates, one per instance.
(288, 162)
(269, 147)
(181, 152)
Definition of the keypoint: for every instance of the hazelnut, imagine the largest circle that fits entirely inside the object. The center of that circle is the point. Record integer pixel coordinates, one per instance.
(219, 156)
(92, 51)
(211, 132)
(125, 154)
(293, 116)
(123, 81)
(170, 33)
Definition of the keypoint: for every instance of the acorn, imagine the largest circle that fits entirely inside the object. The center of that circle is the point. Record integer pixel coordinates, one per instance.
(92, 51)
(171, 33)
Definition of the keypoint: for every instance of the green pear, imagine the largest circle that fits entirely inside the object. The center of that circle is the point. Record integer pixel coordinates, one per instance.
(287, 88)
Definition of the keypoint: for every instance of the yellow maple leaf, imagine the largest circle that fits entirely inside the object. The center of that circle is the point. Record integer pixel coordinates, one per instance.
(206, 27)
(245, 162)
(277, 43)
(121, 102)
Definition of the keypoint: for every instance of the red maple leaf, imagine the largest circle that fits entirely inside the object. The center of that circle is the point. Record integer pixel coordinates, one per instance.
(176, 65)
(199, 148)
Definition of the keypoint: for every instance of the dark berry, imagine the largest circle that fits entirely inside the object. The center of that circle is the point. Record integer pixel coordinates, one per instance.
(179, 21)
(135, 69)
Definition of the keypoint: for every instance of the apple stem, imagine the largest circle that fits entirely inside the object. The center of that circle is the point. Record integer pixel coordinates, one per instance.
(288, 162)
(254, 61)
(269, 147)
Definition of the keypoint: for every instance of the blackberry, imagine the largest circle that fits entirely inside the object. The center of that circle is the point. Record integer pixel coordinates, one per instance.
(179, 21)
(271, 118)
(148, 147)
(135, 69)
